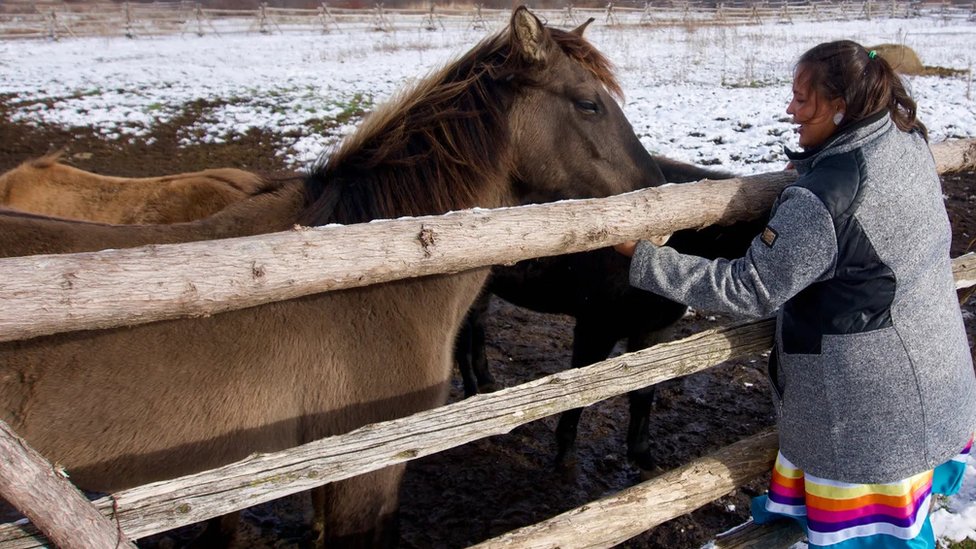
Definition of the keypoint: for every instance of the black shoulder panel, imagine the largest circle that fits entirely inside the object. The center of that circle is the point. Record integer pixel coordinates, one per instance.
(836, 181)
(858, 297)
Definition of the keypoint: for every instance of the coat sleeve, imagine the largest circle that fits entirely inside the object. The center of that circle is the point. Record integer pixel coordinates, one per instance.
(797, 248)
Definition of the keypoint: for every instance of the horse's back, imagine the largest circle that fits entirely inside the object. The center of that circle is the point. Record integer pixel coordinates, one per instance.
(26, 233)
(47, 186)
(189, 196)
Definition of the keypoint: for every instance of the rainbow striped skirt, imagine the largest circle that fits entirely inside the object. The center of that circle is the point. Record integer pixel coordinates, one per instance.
(840, 515)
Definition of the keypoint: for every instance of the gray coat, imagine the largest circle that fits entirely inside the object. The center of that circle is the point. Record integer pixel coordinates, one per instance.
(871, 369)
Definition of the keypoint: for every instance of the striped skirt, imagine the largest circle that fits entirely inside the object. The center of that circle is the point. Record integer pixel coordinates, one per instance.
(840, 515)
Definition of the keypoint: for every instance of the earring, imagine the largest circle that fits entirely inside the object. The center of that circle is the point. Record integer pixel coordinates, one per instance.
(838, 117)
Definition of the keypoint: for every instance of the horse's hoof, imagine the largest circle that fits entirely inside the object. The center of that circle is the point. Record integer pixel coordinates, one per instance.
(648, 466)
(488, 388)
(567, 467)
(653, 472)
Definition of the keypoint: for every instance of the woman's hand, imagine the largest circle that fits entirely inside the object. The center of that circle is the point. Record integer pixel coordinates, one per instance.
(627, 248)
(659, 240)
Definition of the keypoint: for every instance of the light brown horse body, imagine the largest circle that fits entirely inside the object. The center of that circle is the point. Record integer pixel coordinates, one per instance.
(48, 187)
(527, 115)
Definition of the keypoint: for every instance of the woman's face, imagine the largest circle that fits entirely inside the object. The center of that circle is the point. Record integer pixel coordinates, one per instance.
(814, 114)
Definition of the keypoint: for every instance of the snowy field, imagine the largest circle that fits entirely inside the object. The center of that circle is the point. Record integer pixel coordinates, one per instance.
(712, 95)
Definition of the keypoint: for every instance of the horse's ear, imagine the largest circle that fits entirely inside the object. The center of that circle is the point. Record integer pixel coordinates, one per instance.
(530, 37)
(578, 31)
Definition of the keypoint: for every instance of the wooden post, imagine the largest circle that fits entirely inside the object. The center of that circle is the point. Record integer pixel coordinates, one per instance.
(611, 19)
(326, 17)
(263, 18)
(199, 12)
(431, 20)
(756, 18)
(53, 32)
(786, 14)
(128, 21)
(646, 17)
(478, 20)
(380, 21)
(52, 503)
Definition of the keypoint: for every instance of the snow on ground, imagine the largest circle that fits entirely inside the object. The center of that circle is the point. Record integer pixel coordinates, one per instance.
(711, 95)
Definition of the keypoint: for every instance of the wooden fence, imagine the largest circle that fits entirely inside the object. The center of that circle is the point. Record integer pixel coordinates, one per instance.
(462, 240)
(55, 20)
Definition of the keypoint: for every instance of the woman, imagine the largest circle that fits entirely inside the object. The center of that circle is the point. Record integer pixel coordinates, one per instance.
(871, 369)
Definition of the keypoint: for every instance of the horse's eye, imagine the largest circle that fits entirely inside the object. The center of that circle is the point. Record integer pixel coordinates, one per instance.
(587, 107)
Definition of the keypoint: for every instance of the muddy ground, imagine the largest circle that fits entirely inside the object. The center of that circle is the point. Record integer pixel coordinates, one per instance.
(486, 488)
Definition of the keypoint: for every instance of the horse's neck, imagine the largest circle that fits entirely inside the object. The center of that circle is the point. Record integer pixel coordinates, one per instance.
(22, 235)
(353, 193)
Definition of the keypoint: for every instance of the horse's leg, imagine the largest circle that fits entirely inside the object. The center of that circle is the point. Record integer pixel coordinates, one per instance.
(463, 349)
(479, 356)
(221, 532)
(469, 352)
(641, 400)
(360, 511)
(591, 343)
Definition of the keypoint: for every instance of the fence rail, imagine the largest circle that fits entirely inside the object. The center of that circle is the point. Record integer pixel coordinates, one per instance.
(55, 20)
(262, 477)
(46, 294)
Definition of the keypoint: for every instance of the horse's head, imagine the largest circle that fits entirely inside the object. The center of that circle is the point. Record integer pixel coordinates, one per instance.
(569, 136)
(527, 115)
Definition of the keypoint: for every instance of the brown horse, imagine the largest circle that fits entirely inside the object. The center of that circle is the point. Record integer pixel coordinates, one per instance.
(48, 187)
(526, 115)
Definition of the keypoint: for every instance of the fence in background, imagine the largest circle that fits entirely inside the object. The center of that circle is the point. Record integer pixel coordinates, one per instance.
(56, 20)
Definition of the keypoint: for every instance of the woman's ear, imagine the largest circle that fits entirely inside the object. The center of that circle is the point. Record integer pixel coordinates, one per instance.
(838, 105)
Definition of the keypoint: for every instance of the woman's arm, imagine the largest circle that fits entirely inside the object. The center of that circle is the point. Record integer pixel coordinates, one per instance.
(797, 248)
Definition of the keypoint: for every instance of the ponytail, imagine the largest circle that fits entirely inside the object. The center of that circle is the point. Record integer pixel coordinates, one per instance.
(865, 81)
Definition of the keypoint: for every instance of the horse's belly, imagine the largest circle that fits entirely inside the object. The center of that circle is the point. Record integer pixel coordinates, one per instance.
(117, 416)
(122, 407)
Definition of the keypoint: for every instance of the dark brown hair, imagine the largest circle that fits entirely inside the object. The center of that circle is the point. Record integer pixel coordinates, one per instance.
(867, 83)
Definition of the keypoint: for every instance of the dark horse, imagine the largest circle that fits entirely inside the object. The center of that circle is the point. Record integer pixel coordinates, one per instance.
(527, 115)
(594, 288)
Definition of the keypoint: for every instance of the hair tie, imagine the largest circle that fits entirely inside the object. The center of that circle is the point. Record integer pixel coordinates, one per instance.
(872, 54)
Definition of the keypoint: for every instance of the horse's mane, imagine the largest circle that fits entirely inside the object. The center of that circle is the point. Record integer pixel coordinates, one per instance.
(426, 150)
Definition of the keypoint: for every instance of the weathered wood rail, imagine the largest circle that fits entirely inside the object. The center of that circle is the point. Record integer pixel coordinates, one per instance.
(51, 293)
(565, 227)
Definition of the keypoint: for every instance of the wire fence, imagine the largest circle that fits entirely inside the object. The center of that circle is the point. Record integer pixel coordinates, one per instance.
(57, 20)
